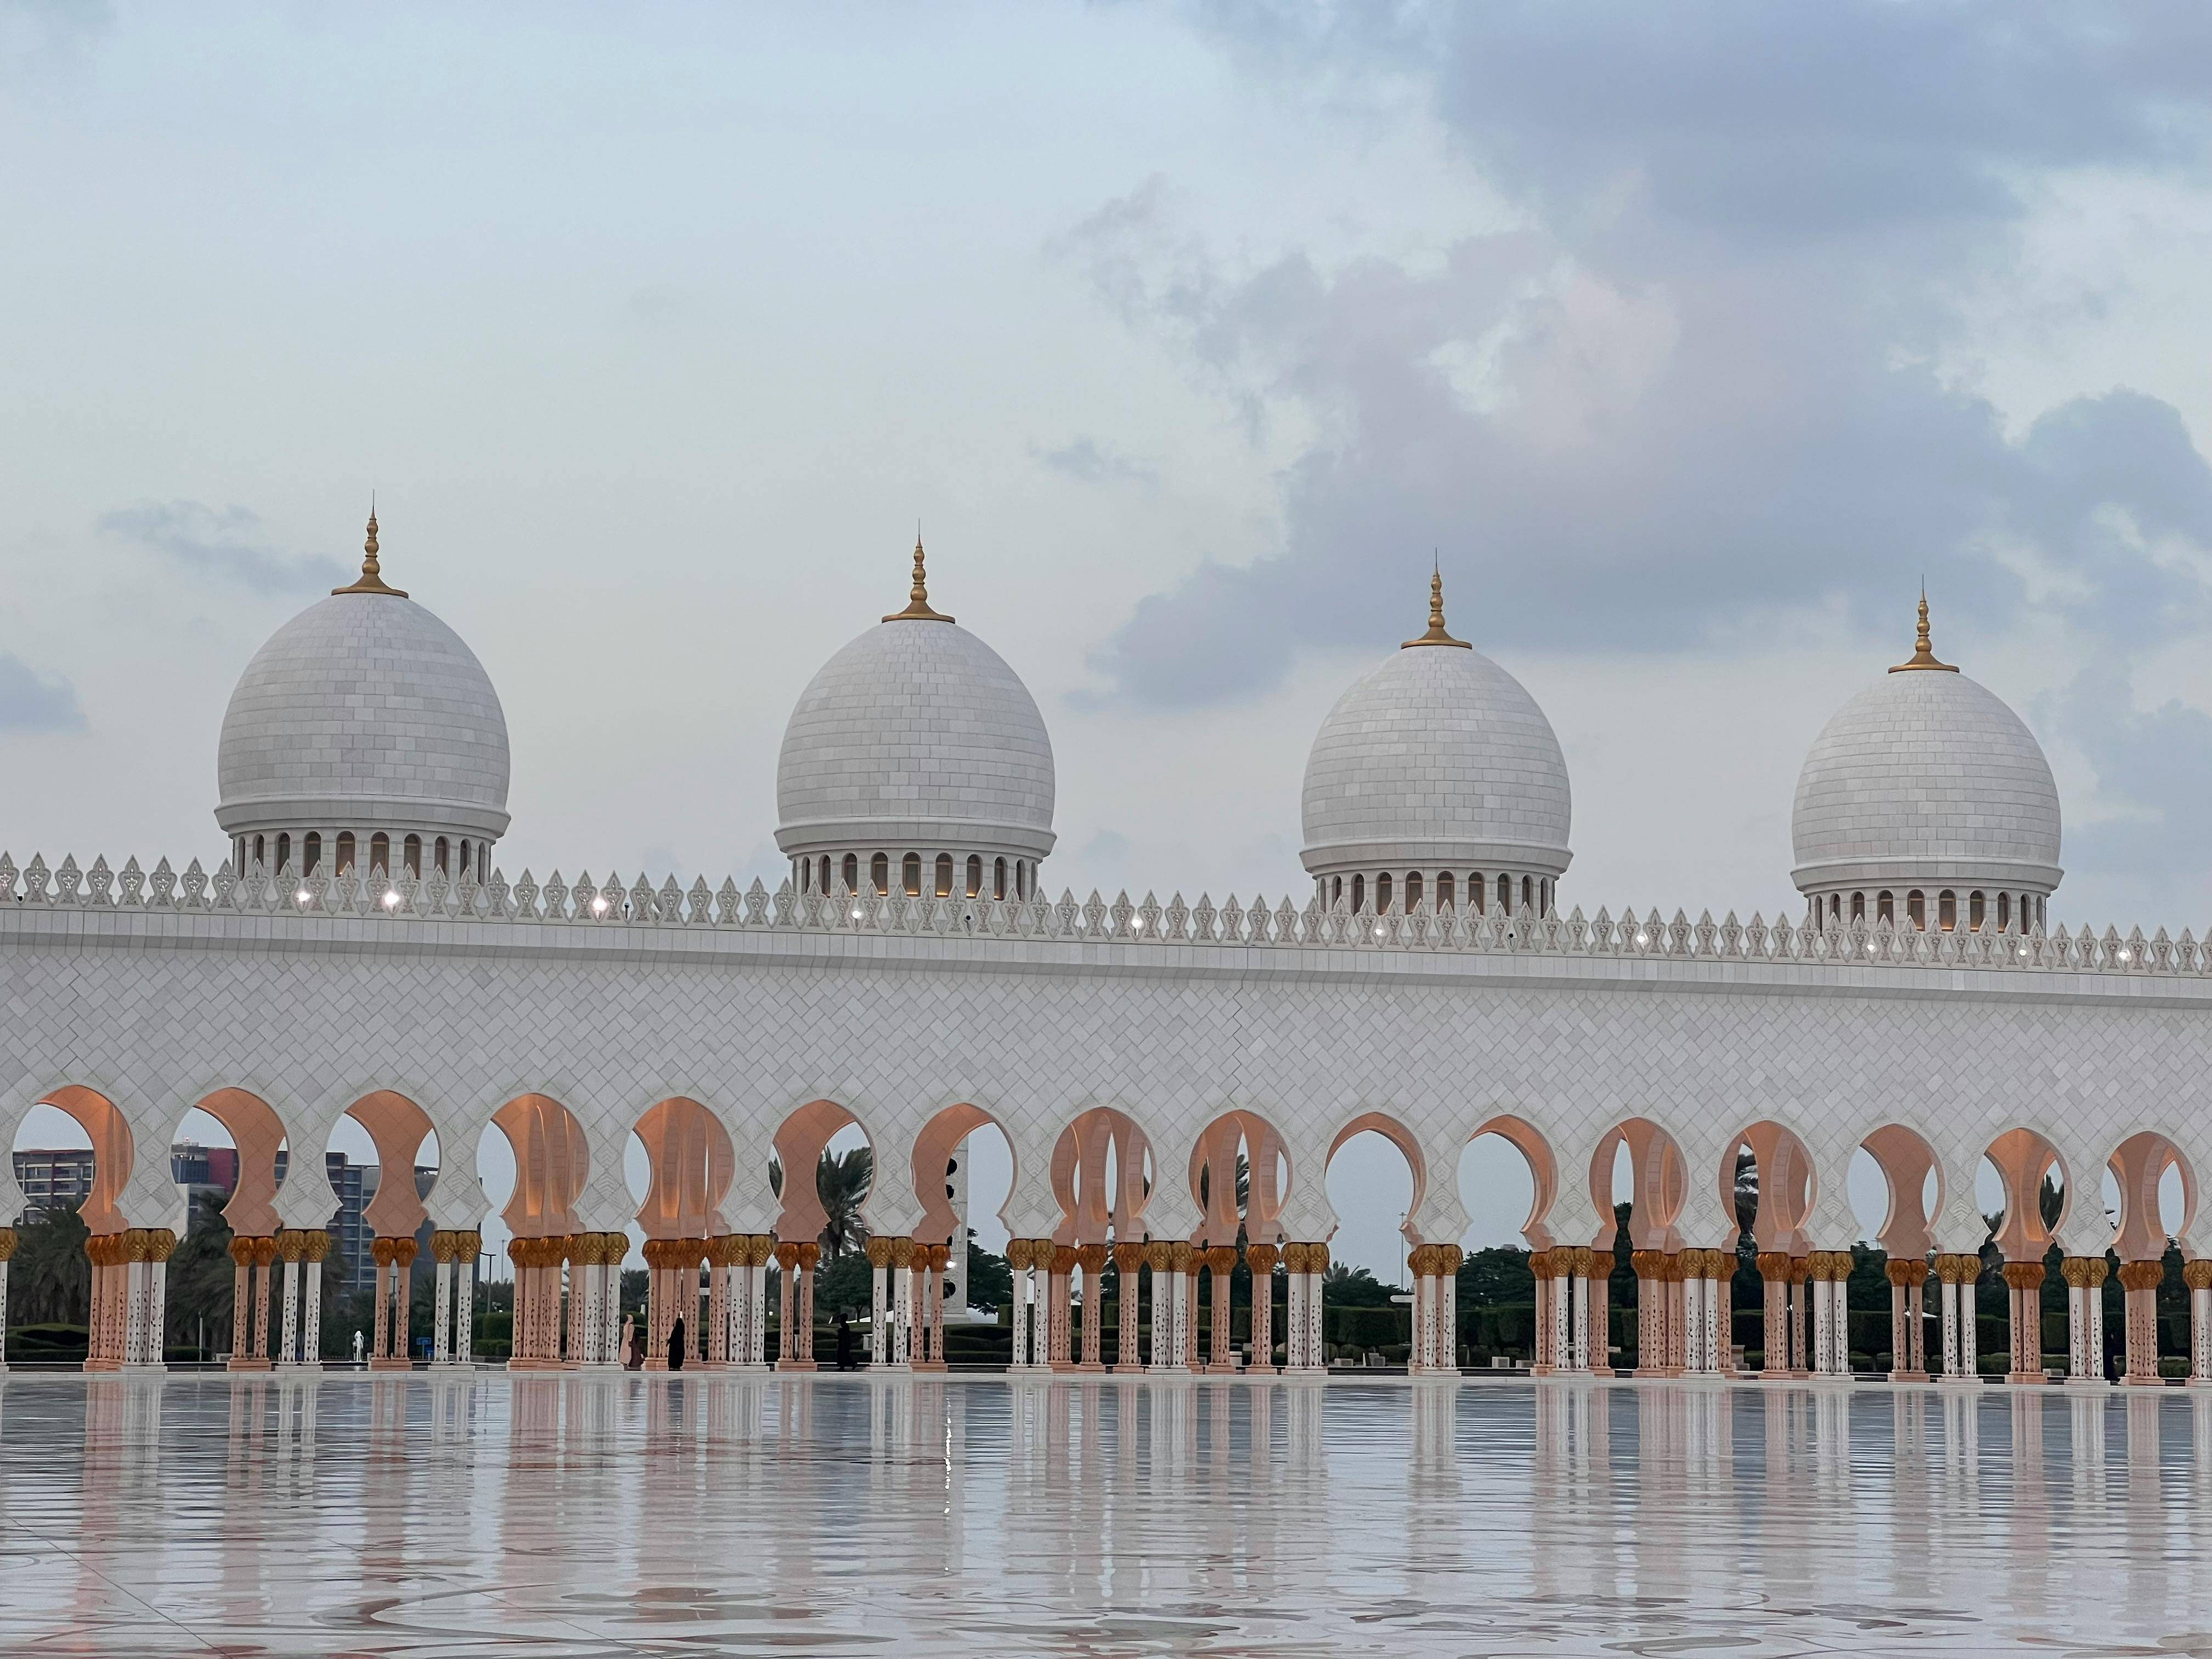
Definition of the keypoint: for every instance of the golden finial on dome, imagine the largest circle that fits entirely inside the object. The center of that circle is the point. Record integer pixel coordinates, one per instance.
(1436, 636)
(371, 580)
(1923, 654)
(917, 604)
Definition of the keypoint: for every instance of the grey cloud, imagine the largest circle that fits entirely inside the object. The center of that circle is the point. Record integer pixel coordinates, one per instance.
(2154, 765)
(1638, 422)
(1778, 122)
(226, 543)
(1088, 461)
(32, 702)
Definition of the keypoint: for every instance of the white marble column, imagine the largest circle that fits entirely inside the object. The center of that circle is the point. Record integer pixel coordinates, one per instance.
(2085, 1320)
(441, 1345)
(288, 1337)
(465, 1320)
(1448, 1310)
(133, 1319)
(157, 1309)
(2197, 1275)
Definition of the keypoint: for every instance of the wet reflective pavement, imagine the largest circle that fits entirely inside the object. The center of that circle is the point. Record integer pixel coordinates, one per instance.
(572, 1517)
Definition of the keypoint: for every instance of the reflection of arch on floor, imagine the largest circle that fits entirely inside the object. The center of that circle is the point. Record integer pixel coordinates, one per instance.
(690, 1165)
(110, 1135)
(1543, 1171)
(934, 1148)
(257, 1134)
(1101, 1175)
(1409, 1148)
(1214, 1154)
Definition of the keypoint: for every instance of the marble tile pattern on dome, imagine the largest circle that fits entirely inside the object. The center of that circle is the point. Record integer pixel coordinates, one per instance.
(353, 947)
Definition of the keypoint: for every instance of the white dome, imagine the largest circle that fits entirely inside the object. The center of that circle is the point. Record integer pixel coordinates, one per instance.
(915, 737)
(1437, 757)
(1926, 777)
(364, 712)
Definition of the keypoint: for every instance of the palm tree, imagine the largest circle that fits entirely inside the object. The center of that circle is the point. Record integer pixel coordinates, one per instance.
(841, 1183)
(50, 1277)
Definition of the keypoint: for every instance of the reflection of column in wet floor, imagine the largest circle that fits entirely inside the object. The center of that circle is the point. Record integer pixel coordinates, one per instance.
(1170, 1404)
(2200, 1440)
(1657, 1559)
(1551, 1450)
(2086, 1447)
(2027, 1559)
(2142, 1430)
(1831, 1443)
(1709, 1453)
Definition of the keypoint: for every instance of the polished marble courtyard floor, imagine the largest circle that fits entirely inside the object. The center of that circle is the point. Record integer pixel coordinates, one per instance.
(708, 1515)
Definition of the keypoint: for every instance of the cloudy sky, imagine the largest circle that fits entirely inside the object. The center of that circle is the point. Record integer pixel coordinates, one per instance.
(1690, 339)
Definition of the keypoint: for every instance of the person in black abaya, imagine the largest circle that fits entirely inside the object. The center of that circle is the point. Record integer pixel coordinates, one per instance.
(676, 1346)
(844, 1342)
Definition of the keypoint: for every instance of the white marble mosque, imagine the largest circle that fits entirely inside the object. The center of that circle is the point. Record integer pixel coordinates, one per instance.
(358, 950)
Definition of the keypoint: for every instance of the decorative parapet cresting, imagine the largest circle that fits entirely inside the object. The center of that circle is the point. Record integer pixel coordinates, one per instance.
(407, 900)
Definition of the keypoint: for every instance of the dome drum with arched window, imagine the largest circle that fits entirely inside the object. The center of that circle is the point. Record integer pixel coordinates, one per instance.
(1926, 802)
(1436, 779)
(915, 763)
(364, 736)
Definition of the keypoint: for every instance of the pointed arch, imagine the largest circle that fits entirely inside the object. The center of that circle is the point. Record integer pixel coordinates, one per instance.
(552, 1163)
(934, 1148)
(2139, 1164)
(690, 1164)
(1660, 1186)
(2022, 1157)
(1782, 1179)
(1102, 1178)
(800, 1140)
(1543, 1170)
(1906, 1161)
(107, 1129)
(397, 1127)
(257, 1135)
(1239, 1143)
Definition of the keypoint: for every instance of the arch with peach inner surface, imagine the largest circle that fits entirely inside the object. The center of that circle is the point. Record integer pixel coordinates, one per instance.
(2022, 1157)
(1238, 1148)
(690, 1167)
(1102, 1176)
(552, 1163)
(1658, 1187)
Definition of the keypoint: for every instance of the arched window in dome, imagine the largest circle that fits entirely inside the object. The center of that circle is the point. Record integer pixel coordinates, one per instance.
(345, 853)
(1974, 912)
(1915, 909)
(1383, 894)
(2004, 913)
(1021, 879)
(379, 854)
(1946, 910)
(1528, 894)
(2039, 918)
(1478, 893)
(311, 852)
(1335, 891)
(438, 853)
(1858, 907)
(283, 854)
(1884, 907)
(1359, 894)
(852, 872)
(944, 875)
(879, 871)
(1412, 892)
(260, 849)
(910, 875)
(1506, 895)
(997, 878)
(975, 875)
(1443, 889)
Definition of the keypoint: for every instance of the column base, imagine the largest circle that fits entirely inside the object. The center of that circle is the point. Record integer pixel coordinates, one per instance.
(145, 1367)
(939, 1365)
(2025, 1378)
(2086, 1383)
(787, 1365)
(1249, 1371)
(295, 1367)
(1961, 1380)
(1908, 1376)
(391, 1362)
(235, 1364)
(2143, 1382)
(1083, 1369)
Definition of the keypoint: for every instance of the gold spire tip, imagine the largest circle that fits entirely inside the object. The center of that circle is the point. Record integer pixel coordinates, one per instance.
(372, 578)
(1437, 635)
(1924, 653)
(917, 604)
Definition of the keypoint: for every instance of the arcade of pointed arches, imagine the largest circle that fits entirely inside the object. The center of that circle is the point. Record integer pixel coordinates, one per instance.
(1104, 1170)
